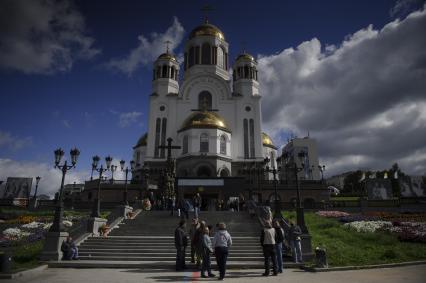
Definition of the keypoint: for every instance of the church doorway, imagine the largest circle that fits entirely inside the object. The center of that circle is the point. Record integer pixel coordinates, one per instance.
(204, 171)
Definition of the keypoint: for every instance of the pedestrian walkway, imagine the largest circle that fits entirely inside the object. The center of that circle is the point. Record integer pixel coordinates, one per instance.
(407, 274)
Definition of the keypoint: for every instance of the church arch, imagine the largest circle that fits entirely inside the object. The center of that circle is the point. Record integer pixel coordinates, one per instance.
(204, 171)
(224, 172)
(205, 100)
(204, 142)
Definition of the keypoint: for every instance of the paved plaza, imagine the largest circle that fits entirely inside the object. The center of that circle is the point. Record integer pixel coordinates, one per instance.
(407, 274)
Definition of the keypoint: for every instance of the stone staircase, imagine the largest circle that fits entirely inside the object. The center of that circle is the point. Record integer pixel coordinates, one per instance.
(148, 241)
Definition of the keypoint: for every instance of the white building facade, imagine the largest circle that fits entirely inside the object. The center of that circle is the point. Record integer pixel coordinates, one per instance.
(214, 117)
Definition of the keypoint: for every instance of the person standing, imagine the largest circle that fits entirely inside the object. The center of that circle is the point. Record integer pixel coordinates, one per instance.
(180, 243)
(172, 205)
(206, 251)
(195, 225)
(222, 241)
(267, 240)
(196, 202)
(279, 239)
(295, 242)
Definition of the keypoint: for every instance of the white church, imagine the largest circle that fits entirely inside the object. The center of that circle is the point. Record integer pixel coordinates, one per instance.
(214, 117)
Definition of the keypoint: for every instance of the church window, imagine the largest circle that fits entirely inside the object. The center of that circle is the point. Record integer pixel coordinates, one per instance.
(223, 144)
(246, 146)
(185, 145)
(158, 72)
(162, 108)
(164, 72)
(248, 108)
(220, 58)
(206, 54)
(157, 137)
(205, 100)
(172, 73)
(214, 55)
(251, 138)
(255, 74)
(204, 143)
(163, 136)
(197, 55)
(239, 72)
(191, 57)
(246, 72)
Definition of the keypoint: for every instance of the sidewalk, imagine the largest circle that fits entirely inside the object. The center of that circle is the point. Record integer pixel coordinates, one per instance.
(406, 274)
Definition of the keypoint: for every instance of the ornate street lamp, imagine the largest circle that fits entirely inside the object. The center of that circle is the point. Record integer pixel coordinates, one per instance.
(132, 167)
(322, 169)
(96, 212)
(36, 188)
(277, 209)
(59, 212)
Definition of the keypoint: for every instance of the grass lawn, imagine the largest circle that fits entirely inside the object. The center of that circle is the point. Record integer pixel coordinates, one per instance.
(347, 247)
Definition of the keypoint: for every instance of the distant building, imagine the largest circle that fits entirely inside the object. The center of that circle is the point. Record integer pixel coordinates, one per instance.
(291, 153)
(73, 191)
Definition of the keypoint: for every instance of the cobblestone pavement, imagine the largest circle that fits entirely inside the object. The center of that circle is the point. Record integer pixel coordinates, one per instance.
(407, 274)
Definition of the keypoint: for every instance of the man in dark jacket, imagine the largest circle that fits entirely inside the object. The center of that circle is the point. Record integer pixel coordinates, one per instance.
(295, 242)
(181, 242)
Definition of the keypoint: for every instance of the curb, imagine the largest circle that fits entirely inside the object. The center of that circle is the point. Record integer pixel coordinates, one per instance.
(23, 272)
(373, 266)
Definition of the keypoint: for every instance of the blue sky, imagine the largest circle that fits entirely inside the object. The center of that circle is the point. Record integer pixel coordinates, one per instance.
(72, 94)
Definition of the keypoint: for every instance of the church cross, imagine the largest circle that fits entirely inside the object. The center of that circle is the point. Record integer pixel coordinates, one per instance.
(206, 9)
(169, 147)
(167, 42)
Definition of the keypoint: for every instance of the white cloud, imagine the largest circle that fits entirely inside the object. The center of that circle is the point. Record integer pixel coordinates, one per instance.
(363, 100)
(148, 49)
(42, 37)
(11, 142)
(128, 118)
(402, 7)
(50, 177)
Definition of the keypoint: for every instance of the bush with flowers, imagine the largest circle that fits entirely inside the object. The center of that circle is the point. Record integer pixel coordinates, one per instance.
(368, 226)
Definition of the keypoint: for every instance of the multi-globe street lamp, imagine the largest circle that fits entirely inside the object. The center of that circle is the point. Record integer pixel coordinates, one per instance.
(322, 169)
(277, 209)
(132, 167)
(96, 212)
(57, 225)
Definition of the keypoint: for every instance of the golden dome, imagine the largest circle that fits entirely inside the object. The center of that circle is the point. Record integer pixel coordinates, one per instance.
(143, 141)
(245, 56)
(267, 141)
(167, 56)
(207, 29)
(204, 120)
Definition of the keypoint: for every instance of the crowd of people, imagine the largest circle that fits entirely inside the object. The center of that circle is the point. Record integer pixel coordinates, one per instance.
(202, 247)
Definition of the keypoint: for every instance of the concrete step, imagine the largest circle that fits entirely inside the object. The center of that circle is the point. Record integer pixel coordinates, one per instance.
(160, 258)
(154, 254)
(160, 249)
(161, 265)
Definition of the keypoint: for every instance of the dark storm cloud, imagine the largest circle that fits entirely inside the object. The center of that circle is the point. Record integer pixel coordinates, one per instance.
(42, 37)
(364, 100)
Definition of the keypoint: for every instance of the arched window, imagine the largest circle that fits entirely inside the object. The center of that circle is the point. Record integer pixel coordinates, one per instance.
(185, 145)
(246, 142)
(204, 143)
(220, 58)
(205, 100)
(158, 72)
(224, 172)
(246, 72)
(164, 72)
(222, 144)
(157, 137)
(206, 54)
(191, 57)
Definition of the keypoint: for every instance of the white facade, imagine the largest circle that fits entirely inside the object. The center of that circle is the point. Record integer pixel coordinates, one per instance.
(215, 119)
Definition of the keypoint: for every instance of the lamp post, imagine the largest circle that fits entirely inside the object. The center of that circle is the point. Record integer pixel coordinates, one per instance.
(113, 169)
(299, 210)
(145, 178)
(96, 212)
(59, 211)
(36, 188)
(322, 169)
(132, 167)
(277, 209)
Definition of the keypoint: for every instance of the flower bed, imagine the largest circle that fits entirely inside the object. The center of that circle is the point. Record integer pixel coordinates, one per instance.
(368, 226)
(332, 213)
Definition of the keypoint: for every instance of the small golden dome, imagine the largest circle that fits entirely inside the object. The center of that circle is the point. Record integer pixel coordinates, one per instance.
(167, 56)
(143, 141)
(204, 119)
(267, 141)
(207, 29)
(245, 56)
